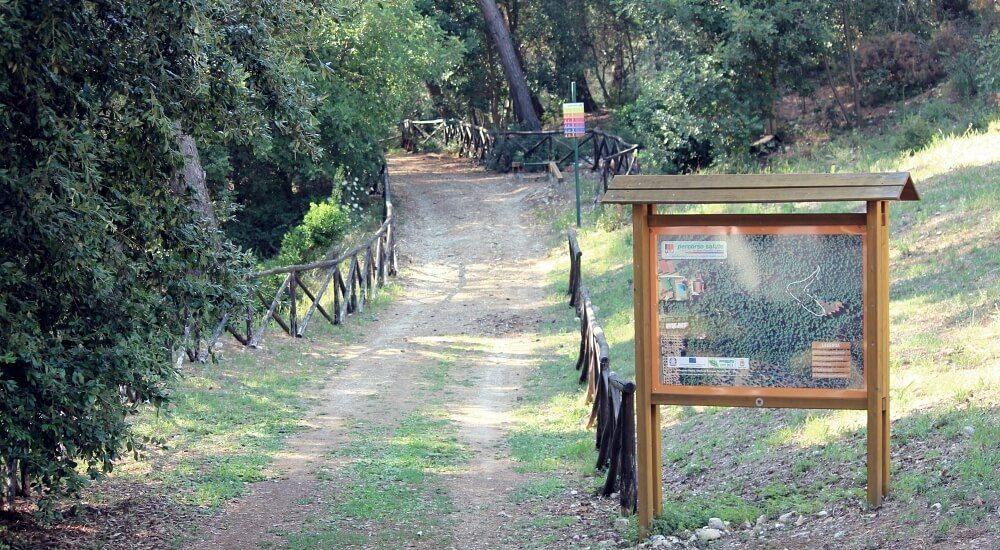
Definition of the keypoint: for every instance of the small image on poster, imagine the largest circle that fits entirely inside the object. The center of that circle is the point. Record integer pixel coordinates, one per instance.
(760, 310)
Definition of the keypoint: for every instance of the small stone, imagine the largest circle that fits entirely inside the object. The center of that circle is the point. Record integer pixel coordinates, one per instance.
(800, 521)
(839, 535)
(716, 523)
(746, 525)
(621, 524)
(936, 506)
(658, 541)
(573, 492)
(761, 519)
(787, 517)
(969, 430)
(822, 513)
(707, 534)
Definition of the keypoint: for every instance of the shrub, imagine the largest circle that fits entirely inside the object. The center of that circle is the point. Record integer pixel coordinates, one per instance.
(914, 134)
(896, 65)
(688, 114)
(323, 225)
(988, 75)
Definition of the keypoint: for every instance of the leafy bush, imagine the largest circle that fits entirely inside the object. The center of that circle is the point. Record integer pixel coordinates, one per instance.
(687, 114)
(896, 65)
(104, 260)
(988, 77)
(914, 134)
(323, 225)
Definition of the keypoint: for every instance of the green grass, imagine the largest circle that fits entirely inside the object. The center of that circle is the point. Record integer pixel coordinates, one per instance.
(945, 362)
(227, 420)
(388, 485)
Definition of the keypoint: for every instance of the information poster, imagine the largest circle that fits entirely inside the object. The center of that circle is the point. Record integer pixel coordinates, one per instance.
(771, 310)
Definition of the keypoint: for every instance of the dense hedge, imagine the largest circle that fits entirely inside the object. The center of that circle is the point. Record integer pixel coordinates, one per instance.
(111, 244)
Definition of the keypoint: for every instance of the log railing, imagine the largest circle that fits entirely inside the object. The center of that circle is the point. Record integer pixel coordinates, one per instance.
(613, 398)
(353, 278)
(473, 141)
(614, 156)
(610, 155)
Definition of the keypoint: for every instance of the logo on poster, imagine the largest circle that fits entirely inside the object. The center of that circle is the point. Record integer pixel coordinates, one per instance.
(693, 250)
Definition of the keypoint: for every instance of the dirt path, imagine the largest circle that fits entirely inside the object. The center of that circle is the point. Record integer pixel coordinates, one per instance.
(472, 282)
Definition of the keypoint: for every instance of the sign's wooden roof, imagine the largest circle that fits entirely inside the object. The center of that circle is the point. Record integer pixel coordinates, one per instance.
(730, 188)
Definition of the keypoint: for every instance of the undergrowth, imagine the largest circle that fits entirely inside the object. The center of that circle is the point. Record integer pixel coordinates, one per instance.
(738, 464)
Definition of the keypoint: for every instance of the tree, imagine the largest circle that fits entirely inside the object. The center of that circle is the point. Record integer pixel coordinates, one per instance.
(368, 61)
(108, 249)
(520, 95)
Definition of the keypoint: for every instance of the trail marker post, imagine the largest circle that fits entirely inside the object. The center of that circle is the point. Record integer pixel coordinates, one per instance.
(574, 126)
(760, 310)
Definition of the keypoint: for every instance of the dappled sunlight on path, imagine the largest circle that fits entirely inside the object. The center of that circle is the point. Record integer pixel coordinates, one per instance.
(457, 342)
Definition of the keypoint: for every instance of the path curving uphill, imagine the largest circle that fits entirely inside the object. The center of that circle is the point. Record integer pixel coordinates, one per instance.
(437, 374)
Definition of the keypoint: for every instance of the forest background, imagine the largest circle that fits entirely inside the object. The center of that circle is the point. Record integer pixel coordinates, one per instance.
(109, 248)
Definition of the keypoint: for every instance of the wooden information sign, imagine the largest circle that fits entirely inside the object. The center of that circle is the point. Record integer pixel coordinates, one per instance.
(760, 310)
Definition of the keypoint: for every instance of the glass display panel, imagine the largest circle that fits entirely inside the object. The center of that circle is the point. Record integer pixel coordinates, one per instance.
(759, 307)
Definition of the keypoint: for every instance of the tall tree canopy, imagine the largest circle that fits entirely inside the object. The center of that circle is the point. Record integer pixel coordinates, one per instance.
(108, 248)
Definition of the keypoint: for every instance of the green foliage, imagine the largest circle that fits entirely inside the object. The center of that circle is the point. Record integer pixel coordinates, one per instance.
(364, 65)
(322, 227)
(914, 133)
(988, 76)
(104, 262)
(688, 113)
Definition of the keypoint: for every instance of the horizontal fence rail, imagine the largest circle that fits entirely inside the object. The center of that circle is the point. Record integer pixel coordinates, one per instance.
(613, 398)
(473, 141)
(353, 278)
(610, 154)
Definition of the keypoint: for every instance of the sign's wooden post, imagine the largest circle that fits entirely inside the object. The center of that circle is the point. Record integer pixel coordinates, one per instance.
(641, 270)
(687, 268)
(877, 356)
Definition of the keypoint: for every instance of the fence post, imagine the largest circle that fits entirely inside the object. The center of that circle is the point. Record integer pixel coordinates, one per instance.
(293, 314)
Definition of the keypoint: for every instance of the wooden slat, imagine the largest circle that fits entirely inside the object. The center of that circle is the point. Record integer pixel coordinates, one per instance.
(799, 398)
(641, 274)
(873, 359)
(760, 181)
(761, 195)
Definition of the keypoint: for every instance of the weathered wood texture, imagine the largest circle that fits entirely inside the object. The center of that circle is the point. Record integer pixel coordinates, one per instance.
(367, 266)
(613, 410)
(609, 154)
(743, 188)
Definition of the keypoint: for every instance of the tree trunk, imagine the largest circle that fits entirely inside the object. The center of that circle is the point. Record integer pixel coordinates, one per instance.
(849, 45)
(520, 96)
(192, 178)
(437, 98)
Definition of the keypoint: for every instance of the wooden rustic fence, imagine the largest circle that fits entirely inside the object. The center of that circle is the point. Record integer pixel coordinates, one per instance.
(610, 155)
(613, 398)
(353, 277)
(473, 141)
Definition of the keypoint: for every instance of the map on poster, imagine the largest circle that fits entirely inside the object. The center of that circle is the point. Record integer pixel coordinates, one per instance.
(761, 310)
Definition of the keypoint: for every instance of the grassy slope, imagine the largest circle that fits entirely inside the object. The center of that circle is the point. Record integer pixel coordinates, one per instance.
(945, 366)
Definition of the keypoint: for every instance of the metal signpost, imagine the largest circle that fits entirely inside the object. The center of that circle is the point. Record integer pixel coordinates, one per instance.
(760, 310)
(574, 126)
